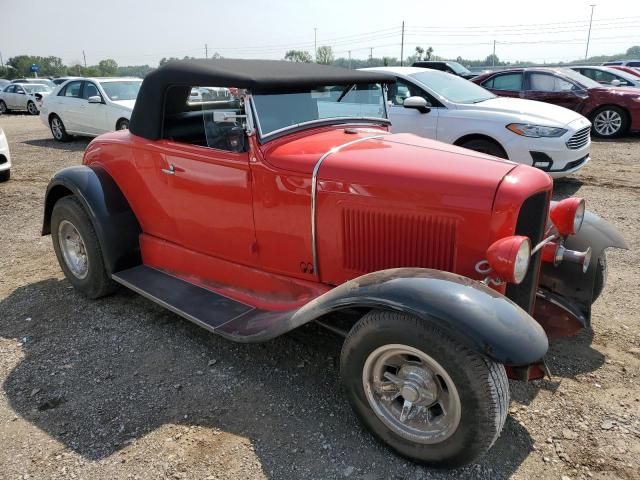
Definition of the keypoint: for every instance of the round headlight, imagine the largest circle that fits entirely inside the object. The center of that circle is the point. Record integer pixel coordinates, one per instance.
(567, 215)
(509, 258)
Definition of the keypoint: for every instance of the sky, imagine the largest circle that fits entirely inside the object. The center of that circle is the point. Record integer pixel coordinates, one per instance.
(135, 32)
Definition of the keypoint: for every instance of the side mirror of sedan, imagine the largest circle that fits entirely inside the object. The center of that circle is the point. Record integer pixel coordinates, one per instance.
(616, 82)
(418, 103)
(95, 99)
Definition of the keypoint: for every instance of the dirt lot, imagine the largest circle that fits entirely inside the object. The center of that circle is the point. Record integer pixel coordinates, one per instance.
(120, 388)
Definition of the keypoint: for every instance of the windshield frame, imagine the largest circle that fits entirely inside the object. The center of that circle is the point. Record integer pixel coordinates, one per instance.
(320, 122)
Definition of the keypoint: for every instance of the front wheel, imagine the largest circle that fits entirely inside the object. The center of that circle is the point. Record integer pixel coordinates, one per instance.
(485, 146)
(32, 109)
(78, 250)
(58, 130)
(3, 107)
(610, 122)
(123, 124)
(425, 395)
(5, 175)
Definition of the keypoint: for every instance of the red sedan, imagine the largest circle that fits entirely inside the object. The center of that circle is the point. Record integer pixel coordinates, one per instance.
(631, 70)
(612, 111)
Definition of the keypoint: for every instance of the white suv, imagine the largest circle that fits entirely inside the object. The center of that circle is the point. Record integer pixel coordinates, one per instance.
(448, 108)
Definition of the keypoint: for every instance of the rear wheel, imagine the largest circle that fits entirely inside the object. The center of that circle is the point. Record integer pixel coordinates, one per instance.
(57, 129)
(123, 124)
(610, 122)
(32, 109)
(424, 394)
(5, 175)
(78, 250)
(3, 107)
(485, 146)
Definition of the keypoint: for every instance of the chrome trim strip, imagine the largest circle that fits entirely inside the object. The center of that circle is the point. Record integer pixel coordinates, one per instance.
(314, 191)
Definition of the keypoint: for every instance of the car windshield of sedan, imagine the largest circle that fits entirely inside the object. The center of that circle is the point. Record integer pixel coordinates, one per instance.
(281, 111)
(122, 90)
(36, 88)
(455, 89)
(459, 69)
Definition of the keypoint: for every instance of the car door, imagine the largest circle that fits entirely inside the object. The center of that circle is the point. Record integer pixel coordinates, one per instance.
(92, 115)
(508, 84)
(70, 102)
(7, 96)
(550, 88)
(208, 188)
(411, 120)
(19, 98)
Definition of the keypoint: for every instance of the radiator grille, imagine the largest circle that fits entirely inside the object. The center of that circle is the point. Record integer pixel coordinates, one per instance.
(579, 139)
(531, 223)
(374, 240)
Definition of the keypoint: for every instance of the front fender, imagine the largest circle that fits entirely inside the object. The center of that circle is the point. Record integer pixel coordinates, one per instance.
(113, 220)
(567, 279)
(466, 309)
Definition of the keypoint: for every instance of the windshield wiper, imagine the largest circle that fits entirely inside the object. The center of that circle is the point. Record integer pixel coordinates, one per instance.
(344, 93)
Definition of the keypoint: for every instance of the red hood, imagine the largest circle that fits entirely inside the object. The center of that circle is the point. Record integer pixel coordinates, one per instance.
(615, 92)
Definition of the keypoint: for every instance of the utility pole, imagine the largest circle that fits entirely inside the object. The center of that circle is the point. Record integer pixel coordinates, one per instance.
(371, 55)
(402, 46)
(493, 58)
(586, 53)
(85, 59)
(349, 59)
(206, 51)
(315, 44)
(1, 62)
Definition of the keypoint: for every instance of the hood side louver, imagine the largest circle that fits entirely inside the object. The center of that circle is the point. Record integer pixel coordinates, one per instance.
(376, 240)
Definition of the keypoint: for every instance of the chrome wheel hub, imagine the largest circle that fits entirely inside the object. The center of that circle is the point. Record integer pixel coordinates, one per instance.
(411, 394)
(73, 249)
(607, 122)
(32, 108)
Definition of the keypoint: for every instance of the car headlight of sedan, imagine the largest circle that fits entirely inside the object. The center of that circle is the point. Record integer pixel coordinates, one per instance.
(536, 131)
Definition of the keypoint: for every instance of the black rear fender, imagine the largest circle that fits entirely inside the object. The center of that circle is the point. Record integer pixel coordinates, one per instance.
(115, 224)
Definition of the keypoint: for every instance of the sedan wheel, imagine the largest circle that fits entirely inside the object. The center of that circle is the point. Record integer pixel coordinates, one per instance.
(3, 107)
(609, 122)
(123, 125)
(32, 109)
(57, 129)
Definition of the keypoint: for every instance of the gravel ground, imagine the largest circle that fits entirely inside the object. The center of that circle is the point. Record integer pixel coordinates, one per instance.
(120, 388)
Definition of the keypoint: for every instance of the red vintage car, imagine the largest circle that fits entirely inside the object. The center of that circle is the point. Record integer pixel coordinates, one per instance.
(613, 111)
(290, 201)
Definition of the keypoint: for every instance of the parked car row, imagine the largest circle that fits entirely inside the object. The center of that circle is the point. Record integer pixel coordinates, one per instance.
(23, 96)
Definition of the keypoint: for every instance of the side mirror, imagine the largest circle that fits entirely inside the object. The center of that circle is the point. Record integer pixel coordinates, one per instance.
(616, 83)
(95, 99)
(418, 103)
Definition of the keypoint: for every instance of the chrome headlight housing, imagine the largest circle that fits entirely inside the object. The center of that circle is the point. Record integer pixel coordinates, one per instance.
(536, 131)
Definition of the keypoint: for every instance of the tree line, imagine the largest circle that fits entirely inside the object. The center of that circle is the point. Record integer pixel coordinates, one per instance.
(20, 65)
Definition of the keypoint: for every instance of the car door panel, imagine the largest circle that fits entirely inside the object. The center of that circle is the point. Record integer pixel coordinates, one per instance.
(92, 116)
(549, 88)
(411, 120)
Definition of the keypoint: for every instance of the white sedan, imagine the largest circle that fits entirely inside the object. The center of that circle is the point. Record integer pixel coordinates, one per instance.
(23, 96)
(90, 106)
(448, 108)
(5, 158)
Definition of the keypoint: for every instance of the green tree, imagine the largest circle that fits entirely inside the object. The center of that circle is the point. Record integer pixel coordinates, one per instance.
(134, 71)
(298, 56)
(429, 53)
(324, 55)
(633, 52)
(108, 67)
(419, 53)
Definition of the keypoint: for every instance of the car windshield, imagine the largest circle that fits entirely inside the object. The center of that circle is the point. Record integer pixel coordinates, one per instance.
(452, 88)
(122, 90)
(583, 81)
(281, 111)
(459, 69)
(622, 74)
(36, 88)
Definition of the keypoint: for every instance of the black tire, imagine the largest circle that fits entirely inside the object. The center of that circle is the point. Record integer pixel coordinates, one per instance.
(483, 145)
(123, 124)
(3, 107)
(601, 131)
(97, 282)
(60, 134)
(601, 276)
(481, 384)
(5, 175)
(32, 109)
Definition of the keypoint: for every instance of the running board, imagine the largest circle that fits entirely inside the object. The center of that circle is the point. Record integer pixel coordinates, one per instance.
(210, 310)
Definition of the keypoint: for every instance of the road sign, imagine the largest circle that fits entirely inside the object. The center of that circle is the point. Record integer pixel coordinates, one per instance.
(34, 68)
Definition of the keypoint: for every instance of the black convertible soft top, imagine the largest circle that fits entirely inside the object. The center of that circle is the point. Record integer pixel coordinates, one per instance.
(258, 76)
